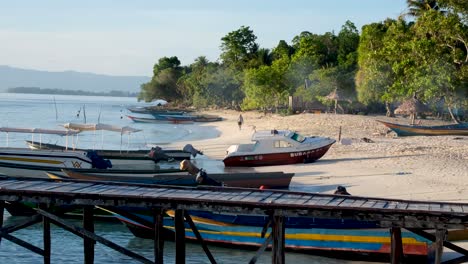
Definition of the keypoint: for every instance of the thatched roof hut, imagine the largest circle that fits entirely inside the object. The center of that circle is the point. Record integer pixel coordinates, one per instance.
(412, 106)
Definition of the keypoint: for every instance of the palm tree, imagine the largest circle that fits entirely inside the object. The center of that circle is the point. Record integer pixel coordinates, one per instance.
(418, 7)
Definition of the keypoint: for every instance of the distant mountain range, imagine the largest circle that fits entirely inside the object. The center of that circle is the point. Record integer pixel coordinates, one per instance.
(68, 80)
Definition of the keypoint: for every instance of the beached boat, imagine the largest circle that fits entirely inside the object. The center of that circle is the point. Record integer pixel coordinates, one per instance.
(301, 233)
(445, 130)
(154, 110)
(266, 180)
(110, 154)
(277, 147)
(165, 120)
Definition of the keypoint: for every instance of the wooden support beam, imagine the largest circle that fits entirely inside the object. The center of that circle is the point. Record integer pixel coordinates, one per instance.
(396, 245)
(278, 232)
(439, 244)
(24, 244)
(46, 235)
(199, 238)
(22, 224)
(459, 260)
(179, 236)
(432, 238)
(261, 249)
(88, 243)
(83, 233)
(158, 236)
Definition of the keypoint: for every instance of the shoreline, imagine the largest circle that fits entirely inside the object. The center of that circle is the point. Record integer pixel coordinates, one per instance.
(416, 168)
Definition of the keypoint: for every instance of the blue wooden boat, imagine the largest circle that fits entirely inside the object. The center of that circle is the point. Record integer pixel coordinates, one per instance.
(302, 233)
(445, 130)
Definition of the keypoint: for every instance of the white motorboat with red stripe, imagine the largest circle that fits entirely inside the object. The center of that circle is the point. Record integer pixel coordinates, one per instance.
(277, 147)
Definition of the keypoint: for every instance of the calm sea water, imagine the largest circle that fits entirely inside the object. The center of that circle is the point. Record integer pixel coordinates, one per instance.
(49, 112)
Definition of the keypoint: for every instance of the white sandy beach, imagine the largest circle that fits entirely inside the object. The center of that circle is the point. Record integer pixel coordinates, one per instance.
(417, 168)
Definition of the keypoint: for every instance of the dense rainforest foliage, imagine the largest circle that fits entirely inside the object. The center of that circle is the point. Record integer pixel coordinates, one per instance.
(422, 54)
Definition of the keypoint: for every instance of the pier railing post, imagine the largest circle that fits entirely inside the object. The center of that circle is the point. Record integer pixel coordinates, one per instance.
(46, 235)
(158, 235)
(439, 244)
(396, 245)
(179, 236)
(88, 225)
(278, 231)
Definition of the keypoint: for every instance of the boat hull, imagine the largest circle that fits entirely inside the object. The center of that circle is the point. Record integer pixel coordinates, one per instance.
(301, 234)
(270, 159)
(115, 154)
(16, 162)
(271, 180)
(447, 130)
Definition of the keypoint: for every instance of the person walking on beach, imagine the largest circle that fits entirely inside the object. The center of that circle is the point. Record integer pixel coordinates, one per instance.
(240, 121)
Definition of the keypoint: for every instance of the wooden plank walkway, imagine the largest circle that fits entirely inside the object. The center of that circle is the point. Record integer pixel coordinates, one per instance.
(389, 212)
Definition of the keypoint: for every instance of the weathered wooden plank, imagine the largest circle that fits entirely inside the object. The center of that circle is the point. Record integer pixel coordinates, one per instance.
(48, 186)
(335, 201)
(349, 202)
(402, 205)
(369, 204)
(434, 207)
(456, 208)
(445, 208)
(123, 191)
(7, 182)
(96, 188)
(22, 185)
(380, 204)
(319, 200)
(418, 206)
(291, 199)
(391, 205)
(358, 203)
(73, 187)
(157, 192)
(271, 198)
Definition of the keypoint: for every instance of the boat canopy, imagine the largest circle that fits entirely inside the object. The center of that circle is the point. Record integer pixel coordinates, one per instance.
(40, 131)
(100, 126)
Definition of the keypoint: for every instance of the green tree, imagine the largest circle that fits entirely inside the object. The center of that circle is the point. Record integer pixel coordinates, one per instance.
(266, 86)
(238, 47)
(163, 84)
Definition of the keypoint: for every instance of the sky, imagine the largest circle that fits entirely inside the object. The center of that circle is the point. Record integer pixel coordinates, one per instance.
(126, 38)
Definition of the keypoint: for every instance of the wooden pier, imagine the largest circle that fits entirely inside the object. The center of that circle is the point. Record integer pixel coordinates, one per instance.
(416, 216)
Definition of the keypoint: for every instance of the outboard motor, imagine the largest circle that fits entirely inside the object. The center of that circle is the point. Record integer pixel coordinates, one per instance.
(193, 151)
(157, 154)
(97, 161)
(201, 177)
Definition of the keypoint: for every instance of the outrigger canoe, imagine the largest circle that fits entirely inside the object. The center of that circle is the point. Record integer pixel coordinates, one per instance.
(445, 130)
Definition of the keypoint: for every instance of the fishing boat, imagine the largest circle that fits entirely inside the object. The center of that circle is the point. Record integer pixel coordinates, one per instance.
(445, 130)
(109, 154)
(277, 147)
(304, 234)
(165, 120)
(23, 162)
(266, 180)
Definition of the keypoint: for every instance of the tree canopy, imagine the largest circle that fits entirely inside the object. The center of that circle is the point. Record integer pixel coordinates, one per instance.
(385, 62)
